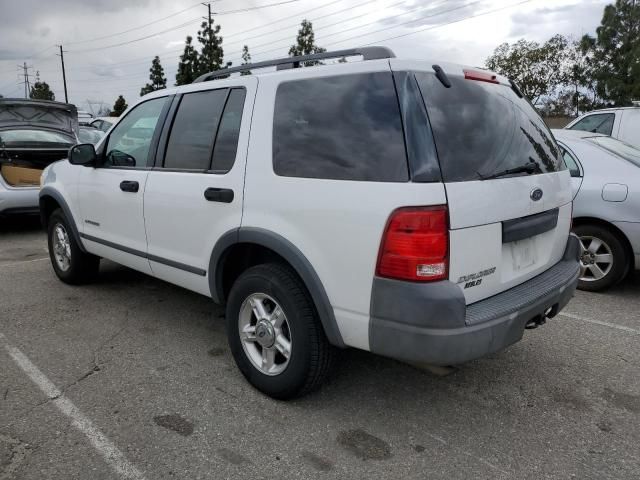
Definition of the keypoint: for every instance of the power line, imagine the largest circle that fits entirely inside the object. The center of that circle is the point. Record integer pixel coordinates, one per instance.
(128, 42)
(134, 28)
(137, 60)
(244, 40)
(338, 23)
(423, 17)
(448, 23)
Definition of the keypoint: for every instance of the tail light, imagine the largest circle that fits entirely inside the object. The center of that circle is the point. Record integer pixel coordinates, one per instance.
(415, 245)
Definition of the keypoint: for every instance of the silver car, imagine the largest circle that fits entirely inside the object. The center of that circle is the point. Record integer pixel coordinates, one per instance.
(606, 206)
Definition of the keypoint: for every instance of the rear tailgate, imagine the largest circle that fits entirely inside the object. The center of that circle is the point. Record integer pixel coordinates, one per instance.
(505, 228)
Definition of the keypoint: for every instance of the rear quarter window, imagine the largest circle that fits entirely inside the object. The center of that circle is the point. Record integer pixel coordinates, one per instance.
(344, 127)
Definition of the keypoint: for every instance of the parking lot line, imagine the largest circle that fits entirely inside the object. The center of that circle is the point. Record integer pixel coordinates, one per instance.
(600, 322)
(24, 261)
(112, 456)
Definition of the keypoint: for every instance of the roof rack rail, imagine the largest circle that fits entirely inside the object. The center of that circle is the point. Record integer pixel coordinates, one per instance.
(368, 53)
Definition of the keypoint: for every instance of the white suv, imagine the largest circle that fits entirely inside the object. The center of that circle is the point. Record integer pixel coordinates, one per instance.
(417, 211)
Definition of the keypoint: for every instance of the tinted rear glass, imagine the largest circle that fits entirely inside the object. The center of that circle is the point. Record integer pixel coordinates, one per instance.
(482, 129)
(345, 127)
(194, 130)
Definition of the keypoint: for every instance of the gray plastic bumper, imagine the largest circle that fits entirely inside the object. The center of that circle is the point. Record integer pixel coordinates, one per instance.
(430, 323)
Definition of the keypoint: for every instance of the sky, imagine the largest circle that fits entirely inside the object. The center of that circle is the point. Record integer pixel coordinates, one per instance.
(109, 44)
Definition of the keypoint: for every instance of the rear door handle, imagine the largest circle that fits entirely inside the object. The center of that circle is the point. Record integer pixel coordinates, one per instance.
(129, 186)
(224, 195)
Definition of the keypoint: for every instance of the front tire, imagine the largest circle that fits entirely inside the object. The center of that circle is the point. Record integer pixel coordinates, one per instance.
(603, 258)
(274, 332)
(71, 265)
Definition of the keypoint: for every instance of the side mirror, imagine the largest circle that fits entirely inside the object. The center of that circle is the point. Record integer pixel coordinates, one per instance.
(574, 172)
(83, 154)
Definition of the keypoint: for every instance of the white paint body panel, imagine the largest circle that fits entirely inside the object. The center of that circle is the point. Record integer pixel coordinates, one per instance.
(181, 224)
(337, 225)
(118, 215)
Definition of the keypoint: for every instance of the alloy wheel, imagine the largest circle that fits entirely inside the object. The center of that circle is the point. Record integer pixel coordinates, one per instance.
(61, 247)
(596, 259)
(265, 334)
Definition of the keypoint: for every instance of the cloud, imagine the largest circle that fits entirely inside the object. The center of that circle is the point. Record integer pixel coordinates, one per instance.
(571, 20)
(424, 13)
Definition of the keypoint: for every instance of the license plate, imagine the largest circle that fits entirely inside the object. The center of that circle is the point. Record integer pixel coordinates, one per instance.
(523, 253)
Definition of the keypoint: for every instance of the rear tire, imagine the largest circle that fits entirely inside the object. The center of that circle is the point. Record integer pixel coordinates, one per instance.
(604, 261)
(71, 265)
(274, 332)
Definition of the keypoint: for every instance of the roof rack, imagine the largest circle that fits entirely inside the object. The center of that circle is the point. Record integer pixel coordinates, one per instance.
(368, 53)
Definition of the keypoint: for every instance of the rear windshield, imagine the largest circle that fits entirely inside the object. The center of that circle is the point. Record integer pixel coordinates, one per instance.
(482, 130)
(37, 138)
(619, 148)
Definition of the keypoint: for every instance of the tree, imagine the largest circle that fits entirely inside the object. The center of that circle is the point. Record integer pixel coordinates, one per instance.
(305, 43)
(189, 65)
(41, 91)
(537, 69)
(246, 58)
(211, 54)
(615, 53)
(119, 107)
(156, 75)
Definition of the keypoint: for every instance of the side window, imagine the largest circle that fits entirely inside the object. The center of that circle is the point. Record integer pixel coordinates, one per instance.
(128, 145)
(597, 123)
(193, 132)
(224, 152)
(344, 127)
(570, 162)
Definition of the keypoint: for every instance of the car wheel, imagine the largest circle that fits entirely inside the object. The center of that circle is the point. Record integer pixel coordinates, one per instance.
(70, 264)
(274, 332)
(603, 258)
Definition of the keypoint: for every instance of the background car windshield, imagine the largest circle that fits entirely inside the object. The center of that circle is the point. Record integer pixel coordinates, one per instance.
(90, 135)
(481, 129)
(28, 137)
(619, 148)
(599, 123)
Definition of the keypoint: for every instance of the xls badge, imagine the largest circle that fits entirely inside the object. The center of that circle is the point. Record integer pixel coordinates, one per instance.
(475, 279)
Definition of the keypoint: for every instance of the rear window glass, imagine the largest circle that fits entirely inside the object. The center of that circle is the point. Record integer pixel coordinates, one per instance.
(483, 129)
(194, 130)
(341, 128)
(224, 153)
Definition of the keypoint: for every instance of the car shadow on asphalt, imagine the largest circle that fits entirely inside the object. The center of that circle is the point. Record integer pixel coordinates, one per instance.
(20, 224)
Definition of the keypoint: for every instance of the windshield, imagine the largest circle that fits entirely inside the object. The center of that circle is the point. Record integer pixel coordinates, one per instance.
(484, 130)
(90, 135)
(28, 137)
(619, 148)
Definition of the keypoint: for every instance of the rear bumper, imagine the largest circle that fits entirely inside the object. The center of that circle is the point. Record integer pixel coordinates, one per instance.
(18, 199)
(429, 323)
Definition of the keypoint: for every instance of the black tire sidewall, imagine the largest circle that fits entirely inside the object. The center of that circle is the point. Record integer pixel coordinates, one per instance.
(81, 265)
(620, 261)
(299, 312)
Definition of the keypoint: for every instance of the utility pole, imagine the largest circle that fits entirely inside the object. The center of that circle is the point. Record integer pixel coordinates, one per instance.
(64, 76)
(25, 74)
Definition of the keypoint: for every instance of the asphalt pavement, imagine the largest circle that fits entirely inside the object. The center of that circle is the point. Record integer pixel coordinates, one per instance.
(130, 377)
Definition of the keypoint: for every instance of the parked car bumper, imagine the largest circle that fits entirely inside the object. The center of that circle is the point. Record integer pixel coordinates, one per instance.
(430, 323)
(17, 199)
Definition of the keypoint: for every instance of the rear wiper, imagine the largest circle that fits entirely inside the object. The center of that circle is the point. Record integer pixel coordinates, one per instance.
(531, 167)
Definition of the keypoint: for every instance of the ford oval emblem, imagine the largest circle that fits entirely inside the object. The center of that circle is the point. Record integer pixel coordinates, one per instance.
(536, 194)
